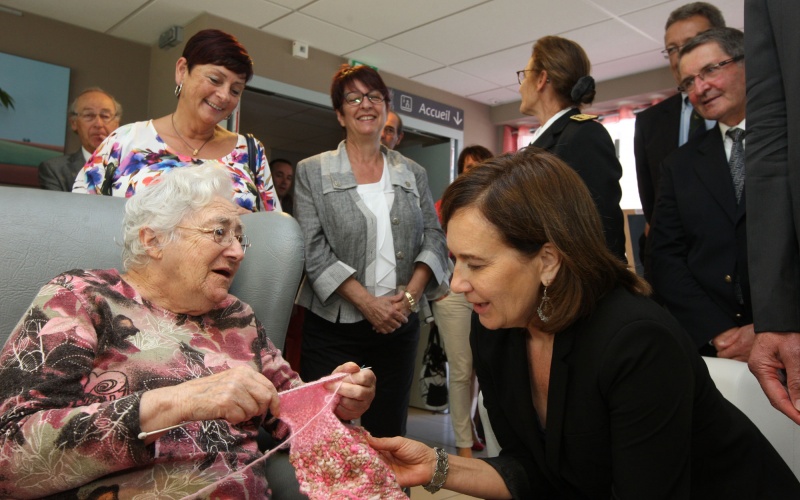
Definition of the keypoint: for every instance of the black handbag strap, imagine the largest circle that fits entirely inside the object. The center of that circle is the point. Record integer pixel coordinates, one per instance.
(252, 151)
(108, 179)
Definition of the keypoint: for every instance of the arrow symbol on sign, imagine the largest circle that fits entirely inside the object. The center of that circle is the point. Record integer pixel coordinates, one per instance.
(458, 119)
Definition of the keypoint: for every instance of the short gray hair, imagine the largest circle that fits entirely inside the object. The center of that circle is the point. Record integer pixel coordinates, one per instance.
(162, 206)
(730, 40)
(703, 9)
(117, 106)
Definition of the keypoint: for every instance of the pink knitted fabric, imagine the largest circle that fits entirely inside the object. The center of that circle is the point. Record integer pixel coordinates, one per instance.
(332, 460)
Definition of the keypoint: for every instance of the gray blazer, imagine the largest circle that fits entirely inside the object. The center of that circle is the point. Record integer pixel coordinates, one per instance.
(58, 174)
(340, 231)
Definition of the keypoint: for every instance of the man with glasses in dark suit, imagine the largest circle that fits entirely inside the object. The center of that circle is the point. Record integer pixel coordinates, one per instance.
(699, 233)
(94, 114)
(662, 128)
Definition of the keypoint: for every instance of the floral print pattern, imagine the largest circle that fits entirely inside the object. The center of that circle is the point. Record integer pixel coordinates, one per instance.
(71, 375)
(139, 156)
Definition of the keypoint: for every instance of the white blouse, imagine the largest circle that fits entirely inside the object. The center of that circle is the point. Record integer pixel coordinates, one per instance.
(378, 197)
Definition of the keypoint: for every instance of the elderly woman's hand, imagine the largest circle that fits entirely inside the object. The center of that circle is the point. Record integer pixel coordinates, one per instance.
(357, 391)
(235, 395)
(382, 313)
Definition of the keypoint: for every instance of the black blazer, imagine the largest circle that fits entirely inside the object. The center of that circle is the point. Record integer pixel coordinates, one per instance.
(632, 413)
(589, 150)
(656, 135)
(699, 240)
(59, 173)
(772, 180)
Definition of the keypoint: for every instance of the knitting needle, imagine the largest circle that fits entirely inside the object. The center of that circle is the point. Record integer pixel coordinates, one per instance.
(143, 435)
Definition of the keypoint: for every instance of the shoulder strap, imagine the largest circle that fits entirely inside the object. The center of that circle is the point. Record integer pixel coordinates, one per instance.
(569, 130)
(108, 179)
(252, 151)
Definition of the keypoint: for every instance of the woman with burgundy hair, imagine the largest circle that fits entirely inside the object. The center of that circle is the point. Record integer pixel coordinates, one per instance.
(210, 77)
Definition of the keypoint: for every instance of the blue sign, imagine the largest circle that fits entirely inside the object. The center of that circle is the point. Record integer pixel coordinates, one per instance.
(408, 104)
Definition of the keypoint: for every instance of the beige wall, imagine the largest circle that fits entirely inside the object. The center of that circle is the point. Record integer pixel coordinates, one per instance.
(636, 90)
(120, 67)
(142, 77)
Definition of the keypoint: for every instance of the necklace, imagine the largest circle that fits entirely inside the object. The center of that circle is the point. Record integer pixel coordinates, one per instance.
(195, 152)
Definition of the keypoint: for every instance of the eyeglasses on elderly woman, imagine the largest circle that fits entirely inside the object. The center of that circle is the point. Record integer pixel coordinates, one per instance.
(223, 236)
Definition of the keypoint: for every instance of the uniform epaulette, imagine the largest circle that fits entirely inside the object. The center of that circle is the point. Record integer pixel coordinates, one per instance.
(583, 117)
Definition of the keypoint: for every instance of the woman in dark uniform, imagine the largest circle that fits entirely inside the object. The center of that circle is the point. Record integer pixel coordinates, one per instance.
(554, 85)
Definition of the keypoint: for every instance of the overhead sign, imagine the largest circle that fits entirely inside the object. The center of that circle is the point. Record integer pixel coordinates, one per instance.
(355, 63)
(408, 104)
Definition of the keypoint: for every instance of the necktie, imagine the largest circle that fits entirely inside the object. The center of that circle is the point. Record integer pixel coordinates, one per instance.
(736, 162)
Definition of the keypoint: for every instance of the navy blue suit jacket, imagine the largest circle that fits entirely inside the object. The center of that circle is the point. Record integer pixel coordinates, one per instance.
(699, 240)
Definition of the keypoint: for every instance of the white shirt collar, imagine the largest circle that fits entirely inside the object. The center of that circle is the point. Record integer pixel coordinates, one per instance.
(724, 128)
(86, 154)
(540, 130)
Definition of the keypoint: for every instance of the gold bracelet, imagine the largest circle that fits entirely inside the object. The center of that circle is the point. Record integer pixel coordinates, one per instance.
(412, 304)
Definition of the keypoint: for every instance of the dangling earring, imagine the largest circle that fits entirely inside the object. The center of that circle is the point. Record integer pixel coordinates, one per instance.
(178, 89)
(542, 304)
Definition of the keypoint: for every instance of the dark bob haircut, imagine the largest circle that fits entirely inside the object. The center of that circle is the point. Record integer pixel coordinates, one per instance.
(476, 152)
(532, 197)
(348, 74)
(221, 49)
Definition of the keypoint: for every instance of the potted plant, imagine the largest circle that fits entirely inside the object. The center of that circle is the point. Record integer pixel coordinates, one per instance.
(6, 100)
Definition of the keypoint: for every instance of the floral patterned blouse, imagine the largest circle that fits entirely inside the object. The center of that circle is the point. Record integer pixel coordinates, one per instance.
(139, 155)
(72, 373)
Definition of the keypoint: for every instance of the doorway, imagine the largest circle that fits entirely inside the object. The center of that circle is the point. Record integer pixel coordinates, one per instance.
(295, 128)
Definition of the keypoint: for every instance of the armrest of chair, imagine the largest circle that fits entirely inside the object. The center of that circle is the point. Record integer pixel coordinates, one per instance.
(739, 386)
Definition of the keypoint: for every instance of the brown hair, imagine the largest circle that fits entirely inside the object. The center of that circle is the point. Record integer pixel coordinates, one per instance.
(567, 67)
(218, 48)
(476, 152)
(532, 197)
(348, 74)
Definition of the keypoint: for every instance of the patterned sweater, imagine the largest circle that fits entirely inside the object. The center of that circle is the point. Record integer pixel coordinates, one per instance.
(71, 375)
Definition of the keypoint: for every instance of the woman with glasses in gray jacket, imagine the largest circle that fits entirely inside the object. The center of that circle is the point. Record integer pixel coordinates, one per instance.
(374, 251)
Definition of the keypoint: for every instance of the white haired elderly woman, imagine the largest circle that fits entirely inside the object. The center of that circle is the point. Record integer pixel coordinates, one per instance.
(101, 357)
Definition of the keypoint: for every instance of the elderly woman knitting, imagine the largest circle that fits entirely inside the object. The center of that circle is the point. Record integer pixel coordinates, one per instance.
(103, 363)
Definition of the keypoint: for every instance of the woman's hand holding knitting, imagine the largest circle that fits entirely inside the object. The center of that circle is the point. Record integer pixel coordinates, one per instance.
(235, 395)
(357, 391)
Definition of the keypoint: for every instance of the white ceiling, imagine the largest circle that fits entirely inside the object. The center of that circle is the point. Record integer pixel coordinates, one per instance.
(470, 48)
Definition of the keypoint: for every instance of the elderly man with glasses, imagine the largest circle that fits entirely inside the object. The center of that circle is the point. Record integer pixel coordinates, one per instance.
(699, 235)
(663, 128)
(93, 115)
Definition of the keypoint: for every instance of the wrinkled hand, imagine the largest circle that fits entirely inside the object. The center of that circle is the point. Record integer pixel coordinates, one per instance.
(735, 343)
(411, 461)
(772, 353)
(236, 395)
(357, 391)
(382, 314)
